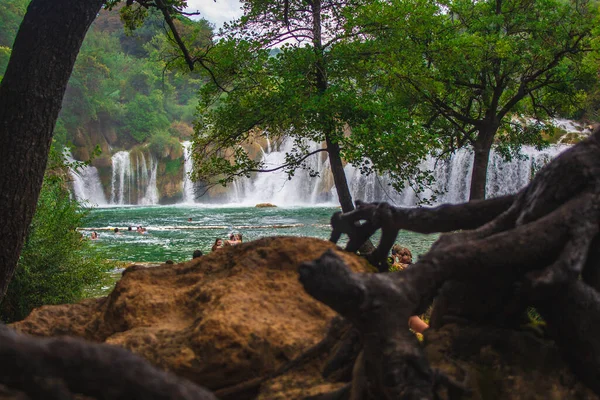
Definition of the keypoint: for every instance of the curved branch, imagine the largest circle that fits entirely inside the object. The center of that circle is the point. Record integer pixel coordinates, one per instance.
(167, 15)
(288, 164)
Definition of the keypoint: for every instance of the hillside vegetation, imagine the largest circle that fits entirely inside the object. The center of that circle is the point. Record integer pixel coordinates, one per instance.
(121, 93)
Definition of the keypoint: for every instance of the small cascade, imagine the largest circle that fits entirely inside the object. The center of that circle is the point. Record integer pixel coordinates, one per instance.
(188, 186)
(86, 184)
(133, 179)
(121, 178)
(151, 194)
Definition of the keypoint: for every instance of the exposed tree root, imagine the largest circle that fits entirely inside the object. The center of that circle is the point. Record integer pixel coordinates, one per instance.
(513, 251)
(65, 368)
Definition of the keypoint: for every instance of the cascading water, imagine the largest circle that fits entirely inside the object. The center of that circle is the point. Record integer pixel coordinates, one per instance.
(86, 184)
(121, 178)
(188, 186)
(134, 178)
(151, 194)
(133, 183)
(452, 179)
(275, 187)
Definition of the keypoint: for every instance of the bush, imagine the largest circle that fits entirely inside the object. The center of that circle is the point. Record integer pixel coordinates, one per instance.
(57, 265)
(162, 146)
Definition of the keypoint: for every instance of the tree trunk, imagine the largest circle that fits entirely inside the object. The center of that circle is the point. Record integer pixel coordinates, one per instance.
(333, 149)
(31, 95)
(339, 176)
(482, 148)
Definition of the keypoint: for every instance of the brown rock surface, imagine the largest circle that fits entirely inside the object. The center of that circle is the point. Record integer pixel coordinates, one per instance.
(230, 316)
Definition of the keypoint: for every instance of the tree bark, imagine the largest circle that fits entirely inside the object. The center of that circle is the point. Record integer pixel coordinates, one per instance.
(333, 149)
(31, 95)
(482, 148)
(339, 176)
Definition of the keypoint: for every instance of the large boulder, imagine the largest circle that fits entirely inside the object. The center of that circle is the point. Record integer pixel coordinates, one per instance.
(218, 320)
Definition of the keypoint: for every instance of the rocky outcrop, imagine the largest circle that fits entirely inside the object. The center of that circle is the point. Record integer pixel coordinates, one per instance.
(476, 362)
(238, 322)
(265, 205)
(218, 320)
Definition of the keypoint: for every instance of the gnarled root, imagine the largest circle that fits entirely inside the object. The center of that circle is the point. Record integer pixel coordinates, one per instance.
(513, 251)
(60, 368)
(394, 364)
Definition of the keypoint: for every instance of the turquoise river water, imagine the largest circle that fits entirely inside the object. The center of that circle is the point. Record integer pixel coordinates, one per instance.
(172, 237)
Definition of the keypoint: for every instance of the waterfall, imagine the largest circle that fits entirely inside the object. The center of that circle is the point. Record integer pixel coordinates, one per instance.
(133, 182)
(452, 179)
(86, 184)
(134, 179)
(151, 194)
(188, 186)
(121, 178)
(275, 187)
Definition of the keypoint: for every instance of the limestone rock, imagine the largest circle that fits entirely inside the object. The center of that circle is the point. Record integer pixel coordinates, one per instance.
(64, 319)
(264, 205)
(229, 316)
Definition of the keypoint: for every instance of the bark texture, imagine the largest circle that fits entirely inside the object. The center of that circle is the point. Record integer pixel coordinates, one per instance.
(61, 368)
(31, 95)
(513, 252)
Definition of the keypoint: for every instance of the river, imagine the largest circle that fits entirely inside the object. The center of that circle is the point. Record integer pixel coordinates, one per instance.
(171, 236)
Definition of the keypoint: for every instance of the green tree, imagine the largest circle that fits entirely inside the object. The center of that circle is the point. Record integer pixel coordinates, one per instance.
(10, 18)
(57, 264)
(472, 67)
(31, 93)
(142, 117)
(312, 88)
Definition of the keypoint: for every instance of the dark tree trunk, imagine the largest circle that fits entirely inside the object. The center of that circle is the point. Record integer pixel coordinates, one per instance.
(333, 149)
(482, 149)
(31, 95)
(339, 176)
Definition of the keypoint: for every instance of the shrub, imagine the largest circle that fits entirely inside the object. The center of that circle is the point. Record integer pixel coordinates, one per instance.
(162, 146)
(57, 265)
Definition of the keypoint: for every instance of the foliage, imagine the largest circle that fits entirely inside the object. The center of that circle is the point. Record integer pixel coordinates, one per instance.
(57, 265)
(313, 89)
(142, 119)
(4, 57)
(10, 19)
(120, 77)
(164, 146)
(471, 66)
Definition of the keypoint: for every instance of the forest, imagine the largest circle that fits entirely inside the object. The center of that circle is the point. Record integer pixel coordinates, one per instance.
(380, 85)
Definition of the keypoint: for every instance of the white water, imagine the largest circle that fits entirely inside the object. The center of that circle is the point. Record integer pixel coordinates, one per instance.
(134, 181)
(151, 194)
(452, 178)
(86, 184)
(188, 185)
(275, 187)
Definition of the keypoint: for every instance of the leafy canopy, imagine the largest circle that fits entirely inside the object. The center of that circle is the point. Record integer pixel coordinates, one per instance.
(473, 66)
(315, 87)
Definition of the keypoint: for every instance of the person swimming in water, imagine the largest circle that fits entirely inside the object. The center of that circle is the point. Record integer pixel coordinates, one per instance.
(218, 244)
